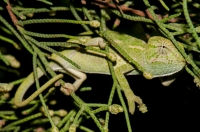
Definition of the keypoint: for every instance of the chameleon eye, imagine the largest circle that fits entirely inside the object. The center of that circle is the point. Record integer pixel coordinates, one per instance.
(163, 49)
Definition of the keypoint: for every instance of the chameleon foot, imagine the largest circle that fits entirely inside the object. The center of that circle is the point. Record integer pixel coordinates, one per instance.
(67, 88)
(142, 108)
(147, 75)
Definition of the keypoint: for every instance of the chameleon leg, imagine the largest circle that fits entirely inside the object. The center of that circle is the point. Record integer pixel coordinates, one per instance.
(98, 41)
(130, 96)
(79, 77)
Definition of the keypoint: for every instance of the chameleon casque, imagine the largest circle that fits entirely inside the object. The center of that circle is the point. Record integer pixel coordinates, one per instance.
(158, 57)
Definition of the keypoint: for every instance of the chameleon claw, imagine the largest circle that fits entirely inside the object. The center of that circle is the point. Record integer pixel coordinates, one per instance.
(67, 88)
(94, 42)
(142, 108)
(101, 44)
(82, 39)
(147, 75)
(112, 57)
(197, 81)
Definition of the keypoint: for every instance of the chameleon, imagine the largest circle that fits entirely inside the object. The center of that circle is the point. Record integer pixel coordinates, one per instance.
(158, 56)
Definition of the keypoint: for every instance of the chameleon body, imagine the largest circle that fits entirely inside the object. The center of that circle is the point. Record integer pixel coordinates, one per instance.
(158, 57)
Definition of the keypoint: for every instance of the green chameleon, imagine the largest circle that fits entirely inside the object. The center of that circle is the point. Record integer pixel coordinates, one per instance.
(158, 57)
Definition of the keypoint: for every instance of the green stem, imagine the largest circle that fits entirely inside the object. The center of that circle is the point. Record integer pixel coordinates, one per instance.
(22, 121)
(38, 87)
(187, 17)
(78, 17)
(35, 21)
(25, 44)
(81, 103)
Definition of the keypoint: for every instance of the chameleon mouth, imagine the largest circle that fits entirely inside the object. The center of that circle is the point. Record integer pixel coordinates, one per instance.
(169, 70)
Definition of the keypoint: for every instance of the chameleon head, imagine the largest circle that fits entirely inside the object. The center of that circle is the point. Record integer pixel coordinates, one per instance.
(162, 57)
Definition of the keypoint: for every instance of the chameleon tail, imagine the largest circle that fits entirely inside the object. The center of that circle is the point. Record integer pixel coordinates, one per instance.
(25, 85)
